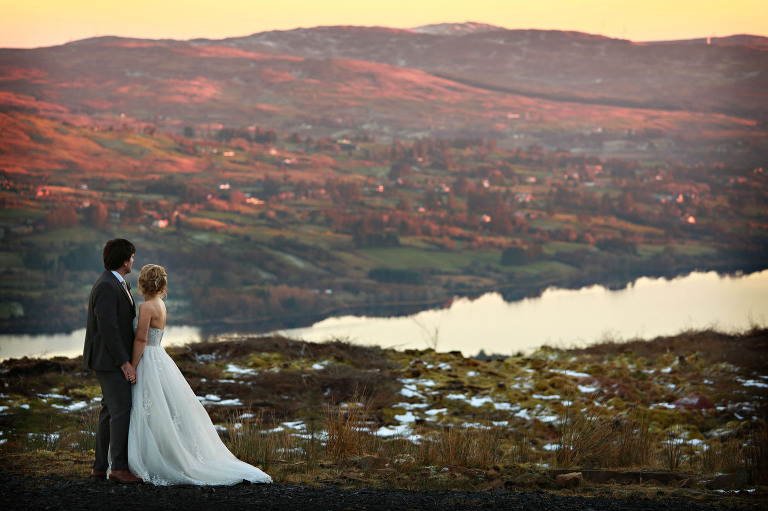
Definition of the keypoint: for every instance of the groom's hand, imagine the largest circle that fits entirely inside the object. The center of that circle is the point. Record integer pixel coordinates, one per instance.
(129, 372)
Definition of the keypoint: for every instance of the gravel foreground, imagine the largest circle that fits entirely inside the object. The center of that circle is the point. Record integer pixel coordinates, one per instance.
(55, 492)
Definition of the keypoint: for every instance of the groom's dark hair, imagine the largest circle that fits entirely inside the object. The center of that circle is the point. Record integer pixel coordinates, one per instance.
(116, 252)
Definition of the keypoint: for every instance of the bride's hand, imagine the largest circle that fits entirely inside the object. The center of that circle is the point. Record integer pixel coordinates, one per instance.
(129, 371)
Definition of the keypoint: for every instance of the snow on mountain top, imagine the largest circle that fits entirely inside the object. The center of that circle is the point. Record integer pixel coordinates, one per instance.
(456, 28)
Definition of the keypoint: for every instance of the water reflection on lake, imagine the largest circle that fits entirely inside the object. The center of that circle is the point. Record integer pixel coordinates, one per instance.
(645, 309)
(564, 318)
(71, 345)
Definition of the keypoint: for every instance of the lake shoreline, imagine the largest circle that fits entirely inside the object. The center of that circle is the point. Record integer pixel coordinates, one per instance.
(511, 292)
(643, 308)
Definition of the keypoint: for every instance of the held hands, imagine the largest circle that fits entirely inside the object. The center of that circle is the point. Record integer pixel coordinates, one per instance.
(129, 372)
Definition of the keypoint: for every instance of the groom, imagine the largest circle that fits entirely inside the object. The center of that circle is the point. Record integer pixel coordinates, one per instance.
(108, 349)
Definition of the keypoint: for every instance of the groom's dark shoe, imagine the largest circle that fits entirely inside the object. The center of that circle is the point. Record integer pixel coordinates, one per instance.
(98, 474)
(124, 477)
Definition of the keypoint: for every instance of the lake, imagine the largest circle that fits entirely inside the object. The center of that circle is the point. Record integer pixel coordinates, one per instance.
(645, 309)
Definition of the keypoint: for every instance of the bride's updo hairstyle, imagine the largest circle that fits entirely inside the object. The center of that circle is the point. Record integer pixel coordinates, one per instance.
(153, 281)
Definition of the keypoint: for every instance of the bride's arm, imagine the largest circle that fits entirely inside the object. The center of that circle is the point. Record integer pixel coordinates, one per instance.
(142, 332)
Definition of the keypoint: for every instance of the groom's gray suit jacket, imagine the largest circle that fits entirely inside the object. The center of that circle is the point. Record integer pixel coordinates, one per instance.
(109, 332)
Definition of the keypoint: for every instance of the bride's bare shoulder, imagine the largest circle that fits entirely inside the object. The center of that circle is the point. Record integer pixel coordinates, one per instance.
(153, 306)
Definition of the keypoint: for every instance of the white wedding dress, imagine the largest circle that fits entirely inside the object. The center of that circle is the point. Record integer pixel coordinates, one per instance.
(171, 439)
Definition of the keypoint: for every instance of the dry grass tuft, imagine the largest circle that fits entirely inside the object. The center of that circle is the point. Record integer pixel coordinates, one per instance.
(757, 453)
(467, 447)
(597, 440)
(348, 429)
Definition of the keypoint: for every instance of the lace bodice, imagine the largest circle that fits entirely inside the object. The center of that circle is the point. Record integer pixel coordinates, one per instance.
(154, 337)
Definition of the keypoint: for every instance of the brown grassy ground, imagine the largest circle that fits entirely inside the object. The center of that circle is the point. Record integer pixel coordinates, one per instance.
(458, 423)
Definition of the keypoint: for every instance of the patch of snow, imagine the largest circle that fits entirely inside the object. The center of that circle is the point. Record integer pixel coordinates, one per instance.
(542, 396)
(551, 447)
(232, 368)
(523, 414)
(73, 407)
(385, 431)
(410, 406)
(435, 411)
(500, 424)
(568, 372)
(299, 425)
(752, 383)
(407, 417)
(230, 402)
(479, 401)
(456, 396)
(474, 425)
(503, 406)
(53, 396)
(297, 450)
(587, 389)
(472, 373)
(410, 391)
(212, 399)
(206, 358)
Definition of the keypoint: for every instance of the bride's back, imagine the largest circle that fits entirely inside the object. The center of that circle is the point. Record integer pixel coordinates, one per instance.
(155, 308)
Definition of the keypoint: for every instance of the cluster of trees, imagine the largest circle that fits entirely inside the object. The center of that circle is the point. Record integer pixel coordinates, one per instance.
(257, 135)
(516, 255)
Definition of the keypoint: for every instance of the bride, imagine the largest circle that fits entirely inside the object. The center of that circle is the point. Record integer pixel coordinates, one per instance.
(171, 439)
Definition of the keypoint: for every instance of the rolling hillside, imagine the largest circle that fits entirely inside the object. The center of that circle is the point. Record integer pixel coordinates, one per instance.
(519, 87)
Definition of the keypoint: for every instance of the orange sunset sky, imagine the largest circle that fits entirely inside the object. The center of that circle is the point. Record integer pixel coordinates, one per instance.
(33, 23)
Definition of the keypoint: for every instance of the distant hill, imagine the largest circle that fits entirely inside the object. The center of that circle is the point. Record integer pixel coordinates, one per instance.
(729, 76)
(452, 80)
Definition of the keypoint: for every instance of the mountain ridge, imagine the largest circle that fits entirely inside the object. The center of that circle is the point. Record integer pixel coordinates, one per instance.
(519, 87)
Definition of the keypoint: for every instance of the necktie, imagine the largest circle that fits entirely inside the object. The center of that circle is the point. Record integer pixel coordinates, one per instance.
(126, 291)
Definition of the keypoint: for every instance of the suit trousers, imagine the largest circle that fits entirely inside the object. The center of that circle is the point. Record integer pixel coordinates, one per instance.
(114, 421)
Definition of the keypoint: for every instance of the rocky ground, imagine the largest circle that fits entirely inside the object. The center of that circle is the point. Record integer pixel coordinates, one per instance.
(54, 492)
